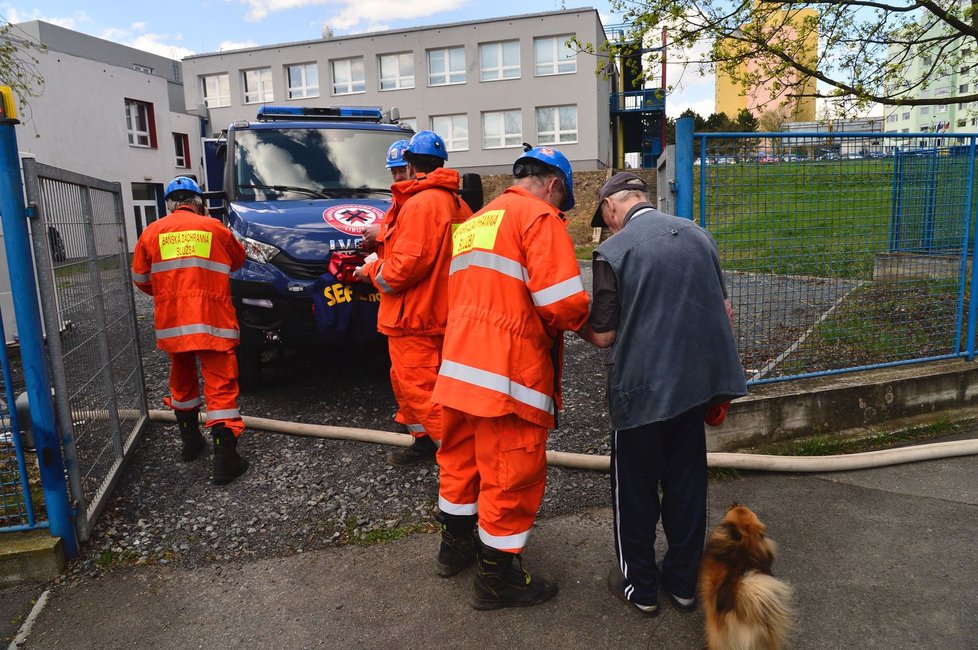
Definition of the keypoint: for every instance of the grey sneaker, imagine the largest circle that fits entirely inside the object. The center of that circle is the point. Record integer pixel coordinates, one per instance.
(616, 586)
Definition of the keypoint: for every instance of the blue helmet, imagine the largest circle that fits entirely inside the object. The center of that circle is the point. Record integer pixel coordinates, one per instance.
(552, 158)
(427, 143)
(395, 155)
(182, 184)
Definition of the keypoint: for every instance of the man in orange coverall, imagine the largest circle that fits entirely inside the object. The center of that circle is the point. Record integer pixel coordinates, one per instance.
(515, 287)
(183, 260)
(416, 244)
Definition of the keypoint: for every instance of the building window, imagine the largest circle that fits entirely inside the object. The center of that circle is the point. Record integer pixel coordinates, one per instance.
(942, 90)
(927, 61)
(303, 80)
(396, 71)
(140, 124)
(925, 110)
(963, 88)
(257, 85)
(502, 129)
(974, 121)
(904, 130)
(556, 124)
(893, 118)
(906, 115)
(499, 61)
(962, 122)
(348, 76)
(181, 150)
(552, 55)
(446, 66)
(965, 69)
(142, 68)
(217, 90)
(409, 122)
(454, 130)
(942, 108)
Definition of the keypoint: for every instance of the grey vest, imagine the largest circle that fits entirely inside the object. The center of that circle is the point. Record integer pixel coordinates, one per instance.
(674, 349)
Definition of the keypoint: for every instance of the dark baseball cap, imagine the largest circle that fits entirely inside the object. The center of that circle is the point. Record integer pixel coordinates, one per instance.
(617, 183)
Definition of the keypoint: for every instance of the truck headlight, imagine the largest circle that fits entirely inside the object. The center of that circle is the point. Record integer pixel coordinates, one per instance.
(254, 249)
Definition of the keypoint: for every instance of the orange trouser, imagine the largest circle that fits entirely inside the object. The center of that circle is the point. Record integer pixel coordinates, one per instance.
(414, 369)
(220, 371)
(496, 467)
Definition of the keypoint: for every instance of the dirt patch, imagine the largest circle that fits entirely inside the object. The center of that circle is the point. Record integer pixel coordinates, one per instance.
(586, 186)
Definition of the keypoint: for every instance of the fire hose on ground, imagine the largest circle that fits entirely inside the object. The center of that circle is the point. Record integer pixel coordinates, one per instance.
(741, 461)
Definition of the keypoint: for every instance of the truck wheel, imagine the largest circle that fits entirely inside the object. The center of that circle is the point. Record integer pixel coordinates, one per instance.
(249, 363)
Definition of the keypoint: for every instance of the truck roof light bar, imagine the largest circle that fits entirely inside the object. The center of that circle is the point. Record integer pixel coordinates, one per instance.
(335, 113)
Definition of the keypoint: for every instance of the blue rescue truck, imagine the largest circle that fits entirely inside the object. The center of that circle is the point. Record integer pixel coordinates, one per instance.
(298, 187)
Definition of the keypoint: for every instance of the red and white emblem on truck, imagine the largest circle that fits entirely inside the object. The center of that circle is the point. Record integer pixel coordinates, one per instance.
(352, 218)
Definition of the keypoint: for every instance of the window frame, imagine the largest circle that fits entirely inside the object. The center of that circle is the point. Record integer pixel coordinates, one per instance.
(555, 64)
(353, 85)
(306, 89)
(400, 77)
(264, 92)
(556, 124)
(448, 135)
(133, 132)
(222, 98)
(184, 141)
(503, 134)
(501, 66)
(448, 73)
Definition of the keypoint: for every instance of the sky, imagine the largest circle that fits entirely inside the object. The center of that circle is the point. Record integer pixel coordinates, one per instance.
(179, 28)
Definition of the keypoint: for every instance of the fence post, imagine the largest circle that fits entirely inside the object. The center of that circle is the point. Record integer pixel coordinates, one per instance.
(21, 267)
(684, 167)
(973, 292)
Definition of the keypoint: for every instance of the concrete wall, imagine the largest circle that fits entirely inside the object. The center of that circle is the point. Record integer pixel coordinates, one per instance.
(582, 88)
(79, 123)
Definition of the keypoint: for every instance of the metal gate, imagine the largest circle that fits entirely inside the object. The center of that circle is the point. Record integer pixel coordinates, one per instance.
(89, 315)
(842, 251)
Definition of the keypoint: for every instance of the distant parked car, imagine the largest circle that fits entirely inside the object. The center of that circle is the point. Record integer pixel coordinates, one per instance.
(767, 160)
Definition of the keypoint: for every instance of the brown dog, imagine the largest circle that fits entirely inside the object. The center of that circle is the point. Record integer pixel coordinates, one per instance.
(746, 607)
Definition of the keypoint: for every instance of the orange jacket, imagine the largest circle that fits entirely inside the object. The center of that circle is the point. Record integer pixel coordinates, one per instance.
(515, 286)
(415, 241)
(183, 261)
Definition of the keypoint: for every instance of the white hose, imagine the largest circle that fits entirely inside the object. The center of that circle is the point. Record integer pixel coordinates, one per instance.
(753, 462)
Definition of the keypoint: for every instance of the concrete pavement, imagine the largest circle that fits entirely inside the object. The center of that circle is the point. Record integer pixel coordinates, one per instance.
(881, 558)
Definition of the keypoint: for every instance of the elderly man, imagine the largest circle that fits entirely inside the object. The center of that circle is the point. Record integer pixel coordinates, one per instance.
(659, 302)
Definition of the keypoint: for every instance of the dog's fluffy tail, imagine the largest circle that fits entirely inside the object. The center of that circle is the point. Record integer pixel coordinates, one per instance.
(765, 601)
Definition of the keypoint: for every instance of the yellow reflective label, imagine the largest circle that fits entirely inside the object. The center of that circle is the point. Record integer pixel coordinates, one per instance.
(185, 243)
(478, 232)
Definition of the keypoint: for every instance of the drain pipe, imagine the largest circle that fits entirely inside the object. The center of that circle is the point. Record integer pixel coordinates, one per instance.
(751, 462)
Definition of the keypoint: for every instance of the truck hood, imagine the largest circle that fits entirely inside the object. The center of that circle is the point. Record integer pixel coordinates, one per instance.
(307, 229)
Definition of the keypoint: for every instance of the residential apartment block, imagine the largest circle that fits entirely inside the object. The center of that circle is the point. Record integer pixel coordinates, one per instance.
(113, 112)
(956, 77)
(485, 86)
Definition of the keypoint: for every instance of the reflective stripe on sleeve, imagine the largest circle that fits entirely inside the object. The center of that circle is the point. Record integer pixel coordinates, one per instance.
(416, 428)
(190, 262)
(450, 508)
(487, 260)
(224, 414)
(558, 292)
(503, 542)
(381, 283)
(499, 383)
(140, 277)
(189, 404)
(199, 328)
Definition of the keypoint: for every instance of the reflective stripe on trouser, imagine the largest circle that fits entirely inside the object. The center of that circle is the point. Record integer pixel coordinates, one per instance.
(671, 454)
(414, 369)
(220, 372)
(496, 467)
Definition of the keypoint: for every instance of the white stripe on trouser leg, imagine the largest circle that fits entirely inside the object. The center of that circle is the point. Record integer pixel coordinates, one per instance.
(189, 404)
(450, 508)
(503, 541)
(224, 414)
(617, 501)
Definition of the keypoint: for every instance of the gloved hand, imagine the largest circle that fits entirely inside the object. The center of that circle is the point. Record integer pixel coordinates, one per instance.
(717, 414)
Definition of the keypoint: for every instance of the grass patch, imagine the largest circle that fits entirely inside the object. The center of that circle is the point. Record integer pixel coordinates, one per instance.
(721, 474)
(584, 251)
(832, 446)
(390, 534)
(109, 558)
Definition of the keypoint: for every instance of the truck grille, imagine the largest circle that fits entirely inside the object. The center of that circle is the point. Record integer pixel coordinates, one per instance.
(300, 270)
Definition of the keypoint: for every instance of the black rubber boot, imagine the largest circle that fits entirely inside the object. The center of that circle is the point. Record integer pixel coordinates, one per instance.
(502, 582)
(458, 543)
(227, 463)
(422, 450)
(193, 441)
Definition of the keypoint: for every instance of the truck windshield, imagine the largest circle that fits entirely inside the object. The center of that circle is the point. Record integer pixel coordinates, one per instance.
(316, 162)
